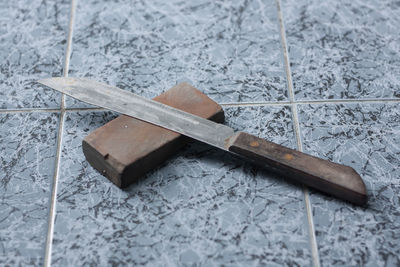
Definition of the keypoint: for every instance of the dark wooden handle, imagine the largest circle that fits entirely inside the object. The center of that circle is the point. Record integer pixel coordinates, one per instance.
(338, 180)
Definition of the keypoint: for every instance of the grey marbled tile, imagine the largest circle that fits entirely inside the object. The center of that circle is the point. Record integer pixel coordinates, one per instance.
(366, 137)
(344, 49)
(228, 49)
(27, 158)
(202, 207)
(32, 42)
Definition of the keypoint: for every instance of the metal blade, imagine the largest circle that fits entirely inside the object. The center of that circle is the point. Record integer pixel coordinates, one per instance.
(125, 102)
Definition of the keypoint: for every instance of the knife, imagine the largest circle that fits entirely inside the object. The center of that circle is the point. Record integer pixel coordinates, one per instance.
(335, 179)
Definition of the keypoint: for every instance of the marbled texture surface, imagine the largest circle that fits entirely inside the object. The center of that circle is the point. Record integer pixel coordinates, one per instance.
(202, 207)
(32, 38)
(344, 49)
(230, 49)
(28, 149)
(366, 137)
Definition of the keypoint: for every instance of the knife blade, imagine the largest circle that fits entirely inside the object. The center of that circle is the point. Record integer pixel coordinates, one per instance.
(335, 179)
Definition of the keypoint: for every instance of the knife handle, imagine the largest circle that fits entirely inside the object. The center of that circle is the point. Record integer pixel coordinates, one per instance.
(338, 180)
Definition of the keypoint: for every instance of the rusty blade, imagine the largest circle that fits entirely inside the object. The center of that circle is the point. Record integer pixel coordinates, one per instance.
(122, 101)
(332, 178)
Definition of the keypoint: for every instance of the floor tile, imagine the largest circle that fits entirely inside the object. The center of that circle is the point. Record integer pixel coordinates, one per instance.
(32, 42)
(203, 206)
(365, 137)
(27, 158)
(229, 50)
(343, 49)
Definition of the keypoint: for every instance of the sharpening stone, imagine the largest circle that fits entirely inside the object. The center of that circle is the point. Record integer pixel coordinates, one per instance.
(125, 148)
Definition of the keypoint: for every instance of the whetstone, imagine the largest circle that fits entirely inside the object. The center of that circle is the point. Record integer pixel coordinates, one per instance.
(125, 148)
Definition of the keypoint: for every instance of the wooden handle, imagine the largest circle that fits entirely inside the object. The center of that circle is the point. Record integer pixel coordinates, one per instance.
(338, 180)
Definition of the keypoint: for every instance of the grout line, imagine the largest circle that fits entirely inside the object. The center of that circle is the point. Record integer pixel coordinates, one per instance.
(343, 101)
(292, 100)
(86, 109)
(50, 230)
(308, 206)
(52, 212)
(285, 53)
(237, 104)
(68, 48)
(29, 110)
(283, 103)
(310, 102)
(311, 229)
(61, 109)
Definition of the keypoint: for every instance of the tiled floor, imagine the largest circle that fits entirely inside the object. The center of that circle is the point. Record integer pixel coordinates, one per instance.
(323, 77)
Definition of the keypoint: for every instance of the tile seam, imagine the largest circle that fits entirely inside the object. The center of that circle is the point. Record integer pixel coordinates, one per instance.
(29, 110)
(314, 102)
(50, 230)
(293, 104)
(68, 48)
(85, 109)
(278, 103)
(52, 212)
(344, 101)
(283, 103)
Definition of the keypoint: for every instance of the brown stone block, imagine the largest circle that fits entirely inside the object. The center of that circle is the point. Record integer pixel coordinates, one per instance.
(126, 148)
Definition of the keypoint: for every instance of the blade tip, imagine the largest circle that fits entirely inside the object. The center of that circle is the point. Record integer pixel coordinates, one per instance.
(42, 81)
(46, 81)
(53, 82)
